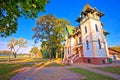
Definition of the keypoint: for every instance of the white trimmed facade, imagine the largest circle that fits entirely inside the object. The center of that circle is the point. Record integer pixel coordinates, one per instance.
(87, 43)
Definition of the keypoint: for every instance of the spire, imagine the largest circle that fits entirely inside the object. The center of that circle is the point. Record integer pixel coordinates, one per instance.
(87, 6)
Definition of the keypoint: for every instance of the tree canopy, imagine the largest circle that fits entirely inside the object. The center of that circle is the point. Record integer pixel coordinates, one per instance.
(14, 45)
(36, 51)
(117, 48)
(50, 30)
(11, 10)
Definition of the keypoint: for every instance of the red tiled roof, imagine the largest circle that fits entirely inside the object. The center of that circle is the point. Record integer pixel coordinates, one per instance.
(112, 51)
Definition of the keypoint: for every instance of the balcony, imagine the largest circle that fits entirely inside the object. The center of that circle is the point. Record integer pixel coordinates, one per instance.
(78, 45)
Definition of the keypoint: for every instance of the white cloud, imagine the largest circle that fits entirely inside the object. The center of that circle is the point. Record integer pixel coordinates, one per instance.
(3, 46)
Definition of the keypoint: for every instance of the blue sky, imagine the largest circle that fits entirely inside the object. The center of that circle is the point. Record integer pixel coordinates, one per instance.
(70, 10)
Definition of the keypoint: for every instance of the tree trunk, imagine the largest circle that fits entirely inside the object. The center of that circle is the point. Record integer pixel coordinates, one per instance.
(9, 55)
(8, 58)
(56, 49)
(56, 53)
(50, 55)
(14, 54)
(49, 46)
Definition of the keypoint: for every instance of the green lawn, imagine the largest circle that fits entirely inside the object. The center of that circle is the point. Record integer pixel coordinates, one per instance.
(7, 70)
(113, 69)
(54, 64)
(91, 75)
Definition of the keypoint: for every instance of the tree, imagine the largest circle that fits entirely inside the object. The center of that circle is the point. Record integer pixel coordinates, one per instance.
(14, 45)
(43, 30)
(117, 48)
(44, 49)
(5, 52)
(58, 35)
(11, 46)
(11, 10)
(50, 30)
(36, 51)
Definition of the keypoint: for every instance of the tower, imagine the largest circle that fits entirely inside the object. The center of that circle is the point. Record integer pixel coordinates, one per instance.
(95, 48)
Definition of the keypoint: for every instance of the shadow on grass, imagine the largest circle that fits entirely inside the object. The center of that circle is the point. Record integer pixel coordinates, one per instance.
(8, 70)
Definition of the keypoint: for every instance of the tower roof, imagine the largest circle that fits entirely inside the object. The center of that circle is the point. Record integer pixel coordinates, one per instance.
(70, 29)
(87, 6)
(88, 9)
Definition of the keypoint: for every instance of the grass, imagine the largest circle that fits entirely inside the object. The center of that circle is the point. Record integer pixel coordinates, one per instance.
(8, 70)
(54, 64)
(113, 69)
(91, 75)
(5, 58)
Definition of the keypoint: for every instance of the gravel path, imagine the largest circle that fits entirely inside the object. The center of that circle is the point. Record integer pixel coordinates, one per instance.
(61, 73)
(47, 73)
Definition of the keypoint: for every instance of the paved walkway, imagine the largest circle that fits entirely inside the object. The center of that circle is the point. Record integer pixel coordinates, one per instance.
(47, 73)
(91, 67)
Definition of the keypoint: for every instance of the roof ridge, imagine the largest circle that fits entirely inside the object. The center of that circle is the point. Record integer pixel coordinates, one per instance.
(87, 6)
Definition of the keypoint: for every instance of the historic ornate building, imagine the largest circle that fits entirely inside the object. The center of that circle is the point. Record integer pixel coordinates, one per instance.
(87, 43)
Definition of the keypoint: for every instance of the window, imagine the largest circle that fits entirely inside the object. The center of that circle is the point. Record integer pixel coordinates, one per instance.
(87, 44)
(103, 61)
(99, 43)
(89, 61)
(80, 40)
(85, 29)
(96, 27)
(68, 50)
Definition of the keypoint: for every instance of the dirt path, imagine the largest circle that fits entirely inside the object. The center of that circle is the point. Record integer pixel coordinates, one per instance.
(46, 73)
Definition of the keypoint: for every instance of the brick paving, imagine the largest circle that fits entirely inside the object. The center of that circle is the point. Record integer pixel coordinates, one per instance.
(47, 73)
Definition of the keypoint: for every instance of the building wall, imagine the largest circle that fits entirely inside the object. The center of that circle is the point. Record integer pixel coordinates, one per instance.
(98, 35)
(94, 60)
(85, 37)
(92, 36)
(115, 57)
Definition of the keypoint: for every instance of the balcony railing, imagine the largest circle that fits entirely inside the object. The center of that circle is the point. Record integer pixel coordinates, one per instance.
(80, 43)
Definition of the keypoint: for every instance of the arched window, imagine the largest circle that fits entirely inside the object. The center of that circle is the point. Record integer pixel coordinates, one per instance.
(99, 43)
(96, 27)
(87, 44)
(85, 29)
